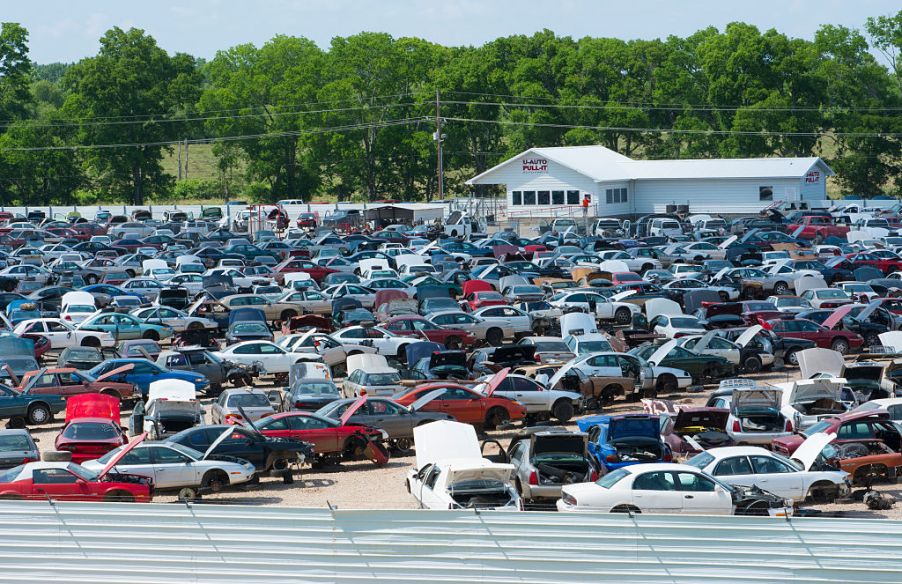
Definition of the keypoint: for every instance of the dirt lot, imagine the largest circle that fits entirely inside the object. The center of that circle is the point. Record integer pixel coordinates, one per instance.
(361, 485)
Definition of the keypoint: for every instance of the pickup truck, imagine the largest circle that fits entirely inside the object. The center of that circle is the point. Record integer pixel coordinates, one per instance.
(816, 226)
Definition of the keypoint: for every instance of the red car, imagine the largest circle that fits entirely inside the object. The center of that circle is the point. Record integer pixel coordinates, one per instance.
(293, 264)
(757, 311)
(885, 265)
(477, 300)
(331, 439)
(92, 427)
(413, 326)
(838, 340)
(307, 220)
(468, 406)
(850, 427)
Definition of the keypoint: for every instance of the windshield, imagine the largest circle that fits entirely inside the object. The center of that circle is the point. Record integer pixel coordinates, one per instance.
(382, 379)
(477, 485)
(11, 474)
(546, 346)
(594, 346)
(80, 308)
(251, 327)
(831, 294)
(612, 478)
(700, 460)
(819, 427)
(248, 400)
(316, 389)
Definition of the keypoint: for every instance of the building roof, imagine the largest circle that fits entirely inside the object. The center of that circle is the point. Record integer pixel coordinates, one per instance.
(602, 164)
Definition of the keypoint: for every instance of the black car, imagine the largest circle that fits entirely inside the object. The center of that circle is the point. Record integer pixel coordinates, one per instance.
(308, 393)
(17, 447)
(248, 331)
(264, 452)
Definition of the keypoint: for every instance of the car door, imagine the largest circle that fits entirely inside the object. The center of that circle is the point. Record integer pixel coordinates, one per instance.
(60, 336)
(60, 484)
(138, 461)
(778, 477)
(171, 468)
(656, 492)
(324, 437)
(525, 391)
(394, 419)
(126, 327)
(703, 496)
(462, 404)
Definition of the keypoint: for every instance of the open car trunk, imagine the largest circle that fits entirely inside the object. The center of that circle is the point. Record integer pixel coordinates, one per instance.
(638, 449)
(483, 495)
(758, 410)
(561, 459)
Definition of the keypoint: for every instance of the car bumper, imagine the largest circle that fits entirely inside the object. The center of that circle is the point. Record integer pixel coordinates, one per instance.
(757, 438)
(542, 492)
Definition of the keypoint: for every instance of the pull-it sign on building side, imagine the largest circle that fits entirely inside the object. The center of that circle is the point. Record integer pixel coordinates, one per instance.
(535, 165)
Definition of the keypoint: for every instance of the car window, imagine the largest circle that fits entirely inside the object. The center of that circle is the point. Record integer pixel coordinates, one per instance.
(737, 465)
(383, 408)
(689, 481)
(306, 423)
(655, 481)
(855, 430)
(136, 456)
(521, 384)
(768, 465)
(54, 476)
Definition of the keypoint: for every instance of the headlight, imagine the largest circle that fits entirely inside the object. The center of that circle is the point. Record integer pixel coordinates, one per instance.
(384, 434)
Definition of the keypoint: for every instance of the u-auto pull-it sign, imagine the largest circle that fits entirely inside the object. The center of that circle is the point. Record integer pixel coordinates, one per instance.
(535, 165)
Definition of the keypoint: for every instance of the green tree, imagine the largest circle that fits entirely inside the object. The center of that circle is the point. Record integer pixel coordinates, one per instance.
(886, 33)
(137, 88)
(15, 72)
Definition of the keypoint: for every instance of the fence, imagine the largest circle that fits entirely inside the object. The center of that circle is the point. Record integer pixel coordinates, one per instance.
(95, 542)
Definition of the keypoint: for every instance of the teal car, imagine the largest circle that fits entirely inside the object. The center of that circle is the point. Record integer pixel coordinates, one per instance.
(36, 409)
(125, 327)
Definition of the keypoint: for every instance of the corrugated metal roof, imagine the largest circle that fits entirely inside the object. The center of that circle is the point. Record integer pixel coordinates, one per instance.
(85, 542)
(604, 165)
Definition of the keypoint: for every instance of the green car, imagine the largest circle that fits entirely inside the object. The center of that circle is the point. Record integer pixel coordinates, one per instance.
(700, 367)
(36, 409)
(125, 327)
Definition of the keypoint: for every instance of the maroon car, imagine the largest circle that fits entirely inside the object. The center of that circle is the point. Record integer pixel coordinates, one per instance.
(825, 338)
(757, 311)
(870, 425)
(92, 427)
(294, 264)
(412, 326)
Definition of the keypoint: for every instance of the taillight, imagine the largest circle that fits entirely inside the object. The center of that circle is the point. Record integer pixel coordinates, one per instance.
(538, 358)
(788, 425)
(668, 456)
(533, 478)
(612, 458)
(67, 317)
(568, 499)
(594, 476)
(678, 335)
(736, 427)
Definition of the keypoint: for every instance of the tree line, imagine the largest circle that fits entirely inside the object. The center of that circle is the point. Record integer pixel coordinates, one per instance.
(356, 120)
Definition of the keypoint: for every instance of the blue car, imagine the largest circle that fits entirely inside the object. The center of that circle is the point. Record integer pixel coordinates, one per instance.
(110, 290)
(618, 441)
(145, 372)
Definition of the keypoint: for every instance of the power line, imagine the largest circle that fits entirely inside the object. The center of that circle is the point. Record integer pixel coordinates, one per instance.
(680, 131)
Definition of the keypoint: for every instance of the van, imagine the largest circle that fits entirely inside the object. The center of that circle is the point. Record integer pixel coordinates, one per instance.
(664, 228)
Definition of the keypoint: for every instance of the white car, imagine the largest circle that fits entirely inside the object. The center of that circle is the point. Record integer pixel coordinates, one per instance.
(633, 264)
(753, 466)
(333, 352)
(450, 472)
(596, 304)
(826, 297)
(274, 358)
(365, 296)
(676, 325)
(146, 287)
(540, 402)
(386, 342)
(238, 279)
(698, 251)
(193, 283)
(61, 334)
(650, 488)
(513, 321)
(789, 304)
(176, 319)
(173, 466)
(27, 272)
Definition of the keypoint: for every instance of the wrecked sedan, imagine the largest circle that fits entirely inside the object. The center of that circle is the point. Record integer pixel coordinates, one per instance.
(618, 441)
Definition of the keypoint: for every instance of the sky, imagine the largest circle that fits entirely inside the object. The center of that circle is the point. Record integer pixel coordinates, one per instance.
(67, 30)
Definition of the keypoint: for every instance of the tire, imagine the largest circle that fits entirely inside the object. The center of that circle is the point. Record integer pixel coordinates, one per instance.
(497, 416)
(792, 358)
(119, 497)
(724, 297)
(623, 316)
(626, 509)
(751, 364)
(840, 345)
(214, 481)
(288, 315)
(91, 279)
(780, 288)
(404, 445)
(151, 336)
(494, 336)
(38, 413)
(610, 393)
(562, 411)
(822, 492)
(452, 343)
(646, 267)
(195, 326)
(666, 383)
(872, 340)
(90, 342)
(188, 494)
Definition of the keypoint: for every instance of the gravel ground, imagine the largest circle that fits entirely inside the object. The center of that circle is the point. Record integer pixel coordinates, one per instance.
(363, 486)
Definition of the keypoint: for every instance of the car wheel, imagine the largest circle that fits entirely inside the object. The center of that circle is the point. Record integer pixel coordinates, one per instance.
(610, 393)
(780, 288)
(195, 326)
(626, 509)
(39, 414)
(647, 267)
(666, 384)
(822, 492)
(214, 481)
(152, 335)
(91, 279)
(840, 345)
(562, 410)
(496, 417)
(792, 358)
(872, 340)
(495, 336)
(188, 494)
(288, 315)
(404, 445)
(752, 364)
(623, 316)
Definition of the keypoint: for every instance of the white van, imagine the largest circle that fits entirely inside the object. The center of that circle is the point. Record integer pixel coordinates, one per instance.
(664, 227)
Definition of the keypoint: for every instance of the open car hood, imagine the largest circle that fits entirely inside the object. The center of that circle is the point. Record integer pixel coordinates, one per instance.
(892, 339)
(817, 360)
(661, 352)
(219, 440)
(748, 335)
(171, 390)
(352, 409)
(704, 341)
(574, 322)
(495, 380)
(560, 442)
(125, 450)
(656, 306)
(623, 295)
(630, 426)
(92, 405)
(444, 440)
(837, 315)
(812, 390)
(868, 310)
(811, 448)
(116, 371)
(808, 283)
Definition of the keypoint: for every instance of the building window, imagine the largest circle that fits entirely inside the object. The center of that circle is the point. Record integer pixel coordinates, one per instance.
(609, 196)
(623, 195)
(516, 198)
(529, 197)
(573, 197)
(557, 197)
(766, 193)
(544, 197)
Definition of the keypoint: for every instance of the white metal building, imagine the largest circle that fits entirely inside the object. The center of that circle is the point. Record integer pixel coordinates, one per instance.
(554, 181)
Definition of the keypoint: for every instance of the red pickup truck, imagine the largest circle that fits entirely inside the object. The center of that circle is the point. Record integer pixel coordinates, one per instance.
(814, 226)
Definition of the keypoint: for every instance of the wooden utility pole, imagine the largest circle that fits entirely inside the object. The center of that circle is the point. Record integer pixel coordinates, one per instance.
(186, 158)
(180, 161)
(439, 138)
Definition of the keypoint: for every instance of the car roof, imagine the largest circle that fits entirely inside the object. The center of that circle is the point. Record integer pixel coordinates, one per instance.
(726, 451)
